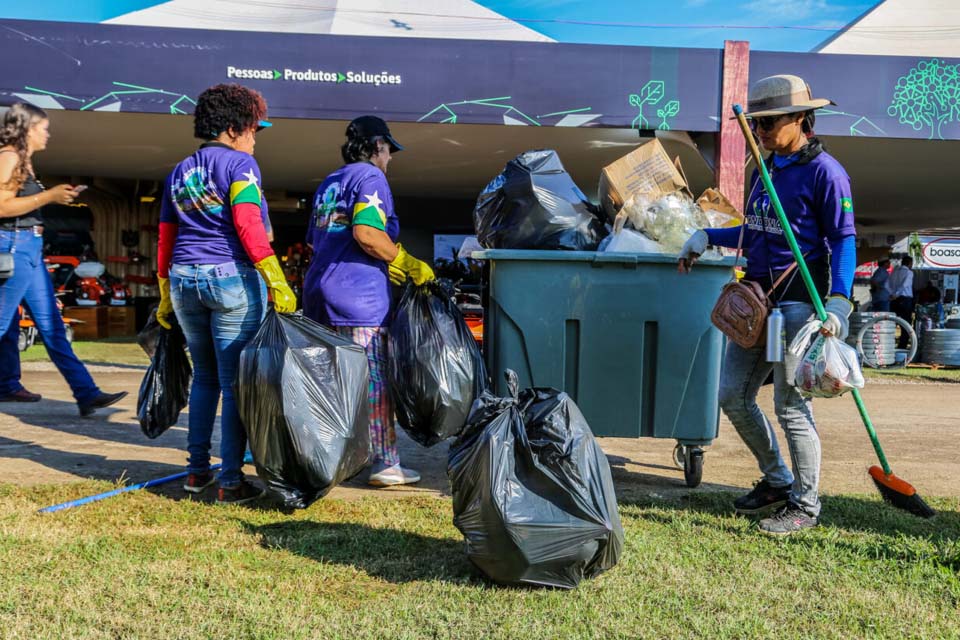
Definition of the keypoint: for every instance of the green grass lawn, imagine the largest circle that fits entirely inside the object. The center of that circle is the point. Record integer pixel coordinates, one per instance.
(147, 566)
(109, 351)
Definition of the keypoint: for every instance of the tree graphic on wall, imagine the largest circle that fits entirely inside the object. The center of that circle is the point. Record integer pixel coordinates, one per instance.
(653, 94)
(928, 97)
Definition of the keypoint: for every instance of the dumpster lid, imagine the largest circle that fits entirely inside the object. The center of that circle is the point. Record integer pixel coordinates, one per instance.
(594, 256)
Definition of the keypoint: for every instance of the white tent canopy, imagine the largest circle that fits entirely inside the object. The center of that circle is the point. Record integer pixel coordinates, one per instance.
(923, 28)
(461, 19)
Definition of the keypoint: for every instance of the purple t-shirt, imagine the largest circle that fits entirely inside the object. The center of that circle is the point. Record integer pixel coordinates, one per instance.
(346, 286)
(818, 202)
(198, 196)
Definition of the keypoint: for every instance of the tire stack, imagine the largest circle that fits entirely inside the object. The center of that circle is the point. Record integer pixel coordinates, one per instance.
(942, 346)
(879, 341)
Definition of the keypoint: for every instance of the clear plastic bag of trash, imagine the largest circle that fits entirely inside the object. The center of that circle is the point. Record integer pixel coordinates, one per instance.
(828, 367)
(669, 220)
(534, 204)
(302, 393)
(165, 388)
(625, 240)
(532, 491)
(435, 367)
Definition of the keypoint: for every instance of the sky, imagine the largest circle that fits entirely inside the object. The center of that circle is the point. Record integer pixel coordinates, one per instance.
(810, 21)
(780, 25)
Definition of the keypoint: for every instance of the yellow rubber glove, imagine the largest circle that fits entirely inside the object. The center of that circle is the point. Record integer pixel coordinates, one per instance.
(405, 265)
(165, 310)
(284, 300)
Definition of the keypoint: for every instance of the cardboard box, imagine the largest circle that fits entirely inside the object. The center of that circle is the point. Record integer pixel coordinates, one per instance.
(647, 170)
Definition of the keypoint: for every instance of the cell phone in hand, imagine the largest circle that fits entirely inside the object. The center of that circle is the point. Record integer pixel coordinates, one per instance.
(80, 187)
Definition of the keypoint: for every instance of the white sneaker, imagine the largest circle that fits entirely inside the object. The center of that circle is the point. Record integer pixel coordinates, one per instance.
(391, 476)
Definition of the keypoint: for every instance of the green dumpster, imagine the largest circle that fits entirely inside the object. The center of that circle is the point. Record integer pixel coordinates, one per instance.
(626, 335)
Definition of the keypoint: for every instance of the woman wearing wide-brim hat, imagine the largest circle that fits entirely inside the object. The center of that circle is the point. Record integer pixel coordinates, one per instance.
(814, 190)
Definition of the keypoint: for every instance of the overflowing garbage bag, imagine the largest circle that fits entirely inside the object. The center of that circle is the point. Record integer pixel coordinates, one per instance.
(302, 393)
(669, 219)
(829, 367)
(625, 240)
(435, 367)
(165, 388)
(532, 491)
(534, 204)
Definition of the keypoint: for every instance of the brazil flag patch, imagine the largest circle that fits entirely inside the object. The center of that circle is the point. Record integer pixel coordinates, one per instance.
(846, 204)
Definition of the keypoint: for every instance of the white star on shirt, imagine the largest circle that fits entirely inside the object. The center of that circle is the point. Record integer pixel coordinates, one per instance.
(250, 176)
(374, 200)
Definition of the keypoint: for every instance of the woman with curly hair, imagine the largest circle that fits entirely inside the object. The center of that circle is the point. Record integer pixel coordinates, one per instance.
(213, 243)
(25, 131)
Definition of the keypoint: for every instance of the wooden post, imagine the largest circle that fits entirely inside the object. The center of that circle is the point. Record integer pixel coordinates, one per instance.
(730, 178)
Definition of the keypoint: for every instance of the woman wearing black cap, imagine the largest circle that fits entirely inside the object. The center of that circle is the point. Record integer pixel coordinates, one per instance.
(353, 232)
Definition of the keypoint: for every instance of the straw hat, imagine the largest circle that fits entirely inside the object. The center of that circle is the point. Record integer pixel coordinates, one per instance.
(781, 94)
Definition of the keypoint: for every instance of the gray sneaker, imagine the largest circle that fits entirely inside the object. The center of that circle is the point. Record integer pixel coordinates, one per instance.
(789, 519)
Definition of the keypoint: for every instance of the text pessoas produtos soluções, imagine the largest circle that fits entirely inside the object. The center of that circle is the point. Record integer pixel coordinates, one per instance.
(315, 75)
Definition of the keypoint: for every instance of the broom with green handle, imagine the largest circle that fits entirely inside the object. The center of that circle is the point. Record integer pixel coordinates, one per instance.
(894, 490)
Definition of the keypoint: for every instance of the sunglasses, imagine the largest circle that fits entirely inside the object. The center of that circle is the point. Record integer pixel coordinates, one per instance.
(765, 122)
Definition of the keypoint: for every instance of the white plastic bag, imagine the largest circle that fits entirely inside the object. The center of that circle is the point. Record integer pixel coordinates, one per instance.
(829, 367)
(626, 240)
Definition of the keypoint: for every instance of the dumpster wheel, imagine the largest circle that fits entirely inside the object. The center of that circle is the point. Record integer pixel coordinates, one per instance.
(678, 456)
(692, 466)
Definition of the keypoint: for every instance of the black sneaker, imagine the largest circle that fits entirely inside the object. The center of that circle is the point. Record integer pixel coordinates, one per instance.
(789, 519)
(101, 401)
(762, 498)
(197, 482)
(240, 494)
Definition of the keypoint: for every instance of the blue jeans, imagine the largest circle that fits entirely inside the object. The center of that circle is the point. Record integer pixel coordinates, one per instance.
(744, 372)
(10, 358)
(31, 284)
(219, 315)
(880, 305)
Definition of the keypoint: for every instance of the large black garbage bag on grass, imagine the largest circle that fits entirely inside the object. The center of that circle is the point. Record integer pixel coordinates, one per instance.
(532, 491)
(302, 393)
(436, 370)
(534, 204)
(166, 386)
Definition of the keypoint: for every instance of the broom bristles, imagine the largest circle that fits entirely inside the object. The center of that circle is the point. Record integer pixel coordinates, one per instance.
(900, 493)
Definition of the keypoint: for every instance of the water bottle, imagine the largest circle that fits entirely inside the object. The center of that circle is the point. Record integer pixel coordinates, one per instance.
(775, 336)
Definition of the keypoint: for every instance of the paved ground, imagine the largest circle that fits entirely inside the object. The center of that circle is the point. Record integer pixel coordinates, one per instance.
(48, 443)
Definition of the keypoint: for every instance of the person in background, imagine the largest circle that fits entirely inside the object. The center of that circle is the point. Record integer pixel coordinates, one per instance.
(214, 266)
(930, 294)
(816, 195)
(900, 286)
(24, 131)
(10, 388)
(353, 232)
(879, 294)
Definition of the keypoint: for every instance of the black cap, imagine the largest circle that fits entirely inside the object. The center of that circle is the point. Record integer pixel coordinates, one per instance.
(372, 126)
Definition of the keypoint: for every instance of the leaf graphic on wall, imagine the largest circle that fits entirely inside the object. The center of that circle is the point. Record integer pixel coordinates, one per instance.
(670, 109)
(635, 100)
(652, 92)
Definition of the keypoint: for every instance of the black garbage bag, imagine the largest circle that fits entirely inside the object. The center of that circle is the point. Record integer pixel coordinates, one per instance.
(166, 386)
(150, 334)
(302, 393)
(435, 367)
(532, 491)
(534, 204)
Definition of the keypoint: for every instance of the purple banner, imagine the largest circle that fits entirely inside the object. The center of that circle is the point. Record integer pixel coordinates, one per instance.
(161, 70)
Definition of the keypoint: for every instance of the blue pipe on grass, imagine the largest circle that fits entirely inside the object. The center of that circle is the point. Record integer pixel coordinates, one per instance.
(109, 494)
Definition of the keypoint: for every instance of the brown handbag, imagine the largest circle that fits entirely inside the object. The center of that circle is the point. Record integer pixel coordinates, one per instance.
(742, 308)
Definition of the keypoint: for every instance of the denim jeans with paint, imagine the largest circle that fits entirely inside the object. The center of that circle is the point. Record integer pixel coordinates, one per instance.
(220, 308)
(31, 285)
(744, 372)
